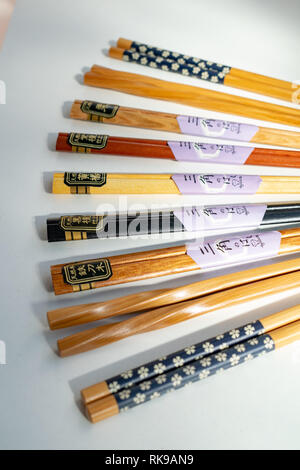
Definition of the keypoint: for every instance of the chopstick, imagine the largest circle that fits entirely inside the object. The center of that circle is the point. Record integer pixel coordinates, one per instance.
(86, 226)
(216, 73)
(188, 355)
(212, 252)
(198, 370)
(122, 183)
(176, 150)
(169, 315)
(85, 313)
(142, 85)
(192, 125)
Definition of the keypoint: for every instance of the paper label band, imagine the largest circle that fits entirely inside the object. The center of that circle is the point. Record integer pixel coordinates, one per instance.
(91, 271)
(85, 179)
(209, 218)
(216, 128)
(99, 110)
(212, 153)
(223, 251)
(217, 184)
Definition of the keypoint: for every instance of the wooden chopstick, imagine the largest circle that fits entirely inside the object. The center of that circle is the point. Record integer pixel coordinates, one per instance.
(85, 313)
(197, 370)
(188, 355)
(176, 150)
(215, 76)
(124, 183)
(225, 70)
(92, 226)
(142, 85)
(192, 125)
(169, 315)
(212, 252)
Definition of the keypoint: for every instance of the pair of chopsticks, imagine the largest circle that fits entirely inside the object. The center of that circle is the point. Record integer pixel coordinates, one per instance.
(193, 363)
(132, 51)
(163, 317)
(168, 307)
(176, 150)
(211, 253)
(149, 87)
(86, 226)
(191, 125)
(155, 183)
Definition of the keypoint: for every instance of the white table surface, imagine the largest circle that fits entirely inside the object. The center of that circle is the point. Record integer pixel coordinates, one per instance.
(47, 47)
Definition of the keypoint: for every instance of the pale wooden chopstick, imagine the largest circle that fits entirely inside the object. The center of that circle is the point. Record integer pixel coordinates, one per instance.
(170, 315)
(142, 85)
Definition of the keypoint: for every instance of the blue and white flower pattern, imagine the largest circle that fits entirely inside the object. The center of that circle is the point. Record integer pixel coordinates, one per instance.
(197, 370)
(184, 64)
(200, 351)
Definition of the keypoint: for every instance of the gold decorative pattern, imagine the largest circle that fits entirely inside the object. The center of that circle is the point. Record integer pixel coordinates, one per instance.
(92, 270)
(85, 142)
(98, 111)
(84, 180)
(82, 223)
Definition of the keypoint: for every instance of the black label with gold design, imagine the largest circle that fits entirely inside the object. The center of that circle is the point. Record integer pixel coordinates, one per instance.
(91, 141)
(90, 271)
(85, 179)
(99, 109)
(82, 223)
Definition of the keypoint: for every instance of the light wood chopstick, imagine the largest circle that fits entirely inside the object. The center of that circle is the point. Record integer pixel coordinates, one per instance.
(101, 272)
(148, 119)
(191, 69)
(198, 370)
(188, 355)
(142, 85)
(85, 313)
(169, 315)
(124, 183)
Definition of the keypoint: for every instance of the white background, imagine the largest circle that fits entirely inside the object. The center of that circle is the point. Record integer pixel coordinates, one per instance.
(47, 47)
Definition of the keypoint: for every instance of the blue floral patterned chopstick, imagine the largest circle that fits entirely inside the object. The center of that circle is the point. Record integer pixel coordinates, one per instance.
(174, 361)
(193, 372)
(181, 59)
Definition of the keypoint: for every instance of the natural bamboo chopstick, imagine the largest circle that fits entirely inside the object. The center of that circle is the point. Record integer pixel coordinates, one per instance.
(188, 355)
(85, 313)
(197, 152)
(218, 72)
(191, 125)
(169, 315)
(198, 370)
(189, 219)
(142, 85)
(215, 76)
(124, 183)
(212, 252)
